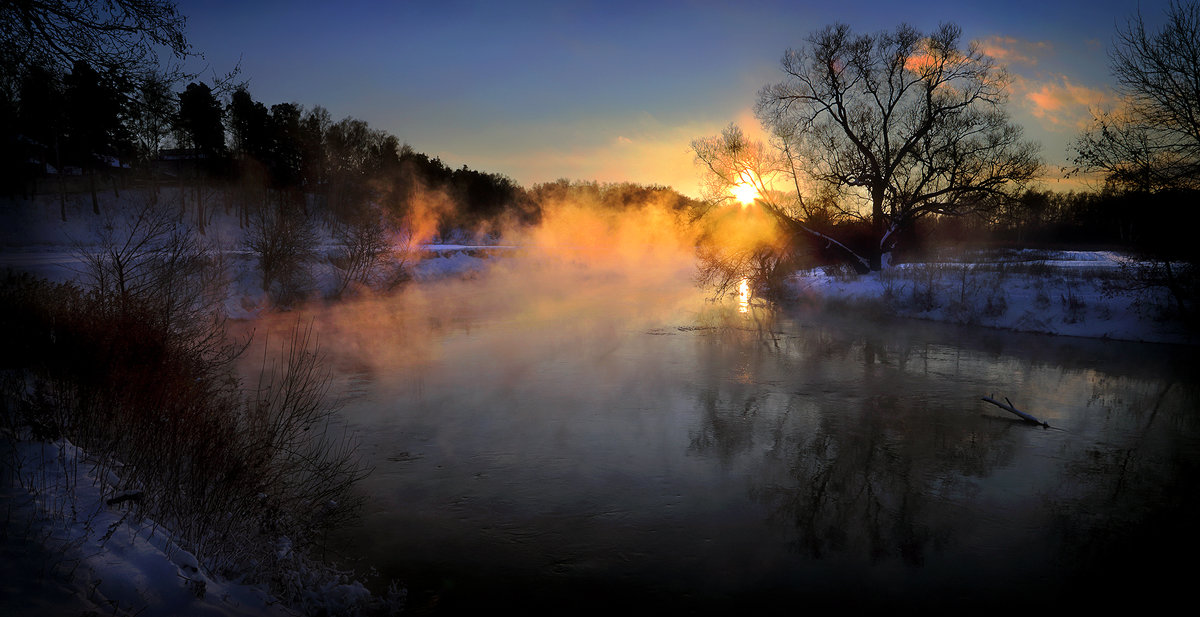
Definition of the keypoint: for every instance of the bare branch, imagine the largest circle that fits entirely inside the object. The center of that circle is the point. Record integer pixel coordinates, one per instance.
(1152, 142)
(906, 123)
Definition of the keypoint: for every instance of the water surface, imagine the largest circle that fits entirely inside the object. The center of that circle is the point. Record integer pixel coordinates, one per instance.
(707, 459)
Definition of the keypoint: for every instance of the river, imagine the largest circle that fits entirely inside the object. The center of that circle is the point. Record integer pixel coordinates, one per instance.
(616, 455)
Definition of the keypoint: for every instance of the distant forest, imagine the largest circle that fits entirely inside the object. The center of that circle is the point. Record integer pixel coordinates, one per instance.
(86, 132)
(83, 131)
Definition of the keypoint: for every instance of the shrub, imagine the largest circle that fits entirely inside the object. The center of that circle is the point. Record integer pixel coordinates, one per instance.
(843, 272)
(996, 305)
(229, 470)
(284, 242)
(1074, 307)
(137, 370)
(926, 282)
(365, 243)
(1172, 288)
(1042, 299)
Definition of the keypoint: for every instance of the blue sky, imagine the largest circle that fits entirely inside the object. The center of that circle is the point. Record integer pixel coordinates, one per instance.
(615, 90)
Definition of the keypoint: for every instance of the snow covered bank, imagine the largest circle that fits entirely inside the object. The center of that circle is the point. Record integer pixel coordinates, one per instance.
(73, 539)
(1072, 293)
(68, 551)
(35, 240)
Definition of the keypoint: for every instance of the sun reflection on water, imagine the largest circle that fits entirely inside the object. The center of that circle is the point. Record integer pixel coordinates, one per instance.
(744, 296)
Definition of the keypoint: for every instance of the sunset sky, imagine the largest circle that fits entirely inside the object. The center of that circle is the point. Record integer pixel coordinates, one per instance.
(616, 90)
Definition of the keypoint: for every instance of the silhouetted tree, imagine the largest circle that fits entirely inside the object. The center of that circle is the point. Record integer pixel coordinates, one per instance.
(95, 131)
(1152, 141)
(314, 158)
(284, 155)
(151, 115)
(41, 124)
(248, 125)
(730, 159)
(115, 37)
(903, 123)
(199, 123)
(199, 130)
(355, 153)
(11, 146)
(1150, 145)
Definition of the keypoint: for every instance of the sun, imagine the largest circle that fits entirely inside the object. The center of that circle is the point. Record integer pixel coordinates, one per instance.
(745, 191)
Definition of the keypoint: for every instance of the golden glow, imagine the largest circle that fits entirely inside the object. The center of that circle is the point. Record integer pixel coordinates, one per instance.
(744, 296)
(745, 191)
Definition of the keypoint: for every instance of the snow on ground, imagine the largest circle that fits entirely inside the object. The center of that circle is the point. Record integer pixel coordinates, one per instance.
(1071, 293)
(65, 551)
(34, 239)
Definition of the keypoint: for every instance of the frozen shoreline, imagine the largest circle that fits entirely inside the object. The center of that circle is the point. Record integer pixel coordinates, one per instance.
(1066, 293)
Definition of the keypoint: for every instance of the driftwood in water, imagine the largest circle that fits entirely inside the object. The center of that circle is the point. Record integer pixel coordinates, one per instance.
(1009, 407)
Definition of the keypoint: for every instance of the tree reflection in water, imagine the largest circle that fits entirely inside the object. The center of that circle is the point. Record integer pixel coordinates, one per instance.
(872, 450)
(734, 461)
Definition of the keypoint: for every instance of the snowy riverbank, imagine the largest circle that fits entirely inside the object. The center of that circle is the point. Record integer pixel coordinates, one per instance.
(66, 551)
(1069, 293)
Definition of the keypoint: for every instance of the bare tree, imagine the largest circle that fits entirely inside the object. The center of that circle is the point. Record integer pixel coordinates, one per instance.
(151, 115)
(365, 243)
(1150, 144)
(121, 37)
(148, 263)
(903, 123)
(1152, 141)
(284, 241)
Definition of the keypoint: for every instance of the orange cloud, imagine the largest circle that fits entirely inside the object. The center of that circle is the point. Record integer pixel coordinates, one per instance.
(918, 63)
(1010, 50)
(1058, 103)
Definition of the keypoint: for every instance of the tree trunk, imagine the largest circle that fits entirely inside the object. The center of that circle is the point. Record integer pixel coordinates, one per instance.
(876, 258)
(1173, 287)
(199, 208)
(877, 229)
(182, 196)
(92, 186)
(62, 189)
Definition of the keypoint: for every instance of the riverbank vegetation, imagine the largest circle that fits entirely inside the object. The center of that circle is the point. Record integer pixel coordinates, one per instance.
(137, 371)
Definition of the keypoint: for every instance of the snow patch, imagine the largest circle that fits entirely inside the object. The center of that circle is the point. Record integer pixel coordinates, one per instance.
(67, 551)
(1061, 292)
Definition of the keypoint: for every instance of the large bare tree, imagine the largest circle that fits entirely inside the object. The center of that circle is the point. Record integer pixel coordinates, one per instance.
(1150, 144)
(903, 124)
(121, 37)
(1151, 141)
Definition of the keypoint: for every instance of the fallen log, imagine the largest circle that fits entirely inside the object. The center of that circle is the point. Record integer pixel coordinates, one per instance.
(1010, 408)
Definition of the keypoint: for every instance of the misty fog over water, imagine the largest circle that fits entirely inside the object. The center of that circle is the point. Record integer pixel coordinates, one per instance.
(586, 433)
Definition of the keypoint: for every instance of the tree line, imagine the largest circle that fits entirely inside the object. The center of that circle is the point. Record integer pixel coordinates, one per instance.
(107, 129)
(93, 94)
